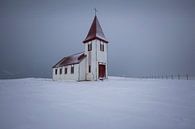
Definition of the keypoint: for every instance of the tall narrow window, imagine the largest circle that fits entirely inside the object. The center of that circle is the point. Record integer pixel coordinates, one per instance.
(89, 46)
(60, 70)
(101, 47)
(56, 71)
(65, 71)
(89, 68)
(72, 69)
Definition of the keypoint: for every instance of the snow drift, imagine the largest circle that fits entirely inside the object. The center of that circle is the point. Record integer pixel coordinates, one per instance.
(117, 103)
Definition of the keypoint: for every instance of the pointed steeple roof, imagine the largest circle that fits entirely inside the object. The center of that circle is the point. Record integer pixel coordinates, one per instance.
(95, 32)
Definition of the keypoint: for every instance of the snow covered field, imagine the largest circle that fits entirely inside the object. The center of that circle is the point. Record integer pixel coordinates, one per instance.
(117, 103)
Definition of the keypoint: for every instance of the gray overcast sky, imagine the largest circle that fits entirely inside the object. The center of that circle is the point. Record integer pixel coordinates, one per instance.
(147, 37)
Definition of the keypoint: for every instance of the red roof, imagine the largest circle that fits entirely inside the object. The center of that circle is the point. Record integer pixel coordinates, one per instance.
(70, 60)
(95, 32)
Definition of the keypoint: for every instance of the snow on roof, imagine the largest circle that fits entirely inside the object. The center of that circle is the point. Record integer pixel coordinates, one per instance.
(69, 60)
(95, 32)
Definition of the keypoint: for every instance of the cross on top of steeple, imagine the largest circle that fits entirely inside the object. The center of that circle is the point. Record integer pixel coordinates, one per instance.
(95, 10)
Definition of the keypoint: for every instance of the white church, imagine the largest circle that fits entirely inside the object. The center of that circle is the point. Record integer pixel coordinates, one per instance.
(92, 64)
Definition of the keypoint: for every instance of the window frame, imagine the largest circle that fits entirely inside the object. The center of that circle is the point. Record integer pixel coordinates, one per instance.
(60, 71)
(56, 71)
(101, 46)
(89, 47)
(89, 69)
(65, 70)
(72, 69)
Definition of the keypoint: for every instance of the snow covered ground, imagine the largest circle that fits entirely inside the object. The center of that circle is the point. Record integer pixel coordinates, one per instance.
(117, 103)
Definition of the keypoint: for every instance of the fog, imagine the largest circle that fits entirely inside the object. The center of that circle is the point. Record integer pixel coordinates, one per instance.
(153, 37)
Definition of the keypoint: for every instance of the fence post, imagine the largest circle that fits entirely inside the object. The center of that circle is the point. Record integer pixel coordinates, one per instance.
(178, 77)
(172, 76)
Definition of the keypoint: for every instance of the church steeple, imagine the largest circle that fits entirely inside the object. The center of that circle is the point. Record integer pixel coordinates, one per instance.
(95, 32)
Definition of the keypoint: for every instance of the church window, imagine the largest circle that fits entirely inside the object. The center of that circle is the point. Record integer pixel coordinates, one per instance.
(101, 47)
(89, 68)
(89, 46)
(56, 71)
(65, 71)
(72, 69)
(60, 70)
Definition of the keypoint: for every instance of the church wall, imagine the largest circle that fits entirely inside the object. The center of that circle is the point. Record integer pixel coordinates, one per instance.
(102, 56)
(91, 60)
(82, 70)
(94, 57)
(54, 77)
(67, 76)
(94, 60)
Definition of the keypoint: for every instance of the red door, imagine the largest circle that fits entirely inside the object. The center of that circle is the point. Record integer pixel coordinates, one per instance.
(102, 71)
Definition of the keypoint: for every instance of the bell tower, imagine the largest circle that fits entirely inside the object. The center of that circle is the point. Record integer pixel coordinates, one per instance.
(96, 48)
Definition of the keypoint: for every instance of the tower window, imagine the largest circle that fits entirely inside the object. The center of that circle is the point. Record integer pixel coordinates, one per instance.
(101, 47)
(89, 46)
(72, 69)
(65, 71)
(56, 71)
(89, 68)
(60, 70)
